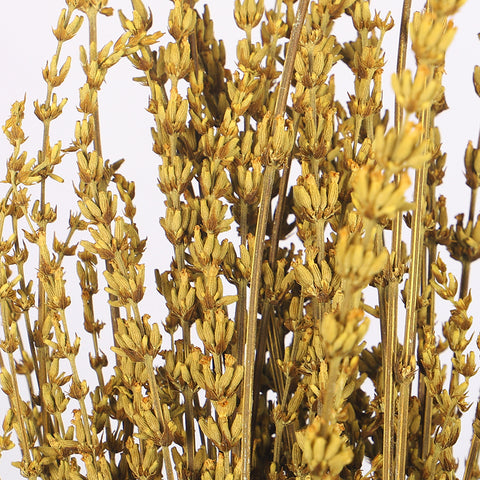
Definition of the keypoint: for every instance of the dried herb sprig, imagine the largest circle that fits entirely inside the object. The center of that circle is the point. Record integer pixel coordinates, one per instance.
(216, 389)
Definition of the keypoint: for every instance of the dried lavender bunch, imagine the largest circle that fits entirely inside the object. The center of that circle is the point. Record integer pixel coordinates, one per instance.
(258, 369)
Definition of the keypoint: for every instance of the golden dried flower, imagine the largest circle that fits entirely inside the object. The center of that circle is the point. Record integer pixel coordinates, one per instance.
(395, 152)
(431, 36)
(445, 8)
(375, 196)
(420, 94)
(64, 31)
(472, 166)
(181, 21)
(357, 262)
(476, 79)
(248, 14)
(325, 451)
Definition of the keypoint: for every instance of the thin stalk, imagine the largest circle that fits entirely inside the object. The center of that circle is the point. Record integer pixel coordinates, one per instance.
(92, 39)
(189, 419)
(88, 306)
(267, 187)
(318, 306)
(76, 378)
(193, 42)
(417, 241)
(43, 350)
(472, 459)
(390, 324)
(251, 333)
(17, 399)
(76, 381)
(466, 264)
(276, 350)
(159, 413)
(290, 58)
(426, 399)
(268, 333)
(155, 395)
(402, 55)
(187, 392)
(26, 314)
(180, 261)
(241, 308)
(473, 201)
(97, 142)
(280, 425)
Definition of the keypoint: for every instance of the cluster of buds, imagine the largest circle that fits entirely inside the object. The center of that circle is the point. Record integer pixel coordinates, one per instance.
(419, 94)
(226, 143)
(365, 58)
(318, 281)
(375, 196)
(325, 450)
(356, 261)
(431, 34)
(463, 242)
(472, 166)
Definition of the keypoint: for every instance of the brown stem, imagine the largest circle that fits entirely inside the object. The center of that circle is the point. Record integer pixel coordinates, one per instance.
(241, 309)
(92, 38)
(417, 240)
(390, 324)
(268, 333)
(472, 459)
(251, 333)
(246, 456)
(426, 400)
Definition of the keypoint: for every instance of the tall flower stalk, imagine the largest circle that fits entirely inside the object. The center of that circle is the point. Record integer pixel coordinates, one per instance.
(283, 209)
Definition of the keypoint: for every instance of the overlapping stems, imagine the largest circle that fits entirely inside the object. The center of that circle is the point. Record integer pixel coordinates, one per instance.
(291, 327)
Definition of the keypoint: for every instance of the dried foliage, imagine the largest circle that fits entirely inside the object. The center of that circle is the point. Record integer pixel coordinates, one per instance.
(260, 367)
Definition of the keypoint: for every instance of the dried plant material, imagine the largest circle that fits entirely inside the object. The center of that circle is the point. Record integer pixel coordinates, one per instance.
(258, 367)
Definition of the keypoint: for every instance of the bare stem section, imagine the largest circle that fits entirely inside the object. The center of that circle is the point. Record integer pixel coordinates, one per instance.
(278, 203)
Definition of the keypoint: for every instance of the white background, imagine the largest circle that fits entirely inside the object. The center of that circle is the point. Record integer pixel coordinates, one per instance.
(27, 43)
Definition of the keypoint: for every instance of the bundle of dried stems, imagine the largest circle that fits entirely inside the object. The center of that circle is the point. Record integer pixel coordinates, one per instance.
(268, 382)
